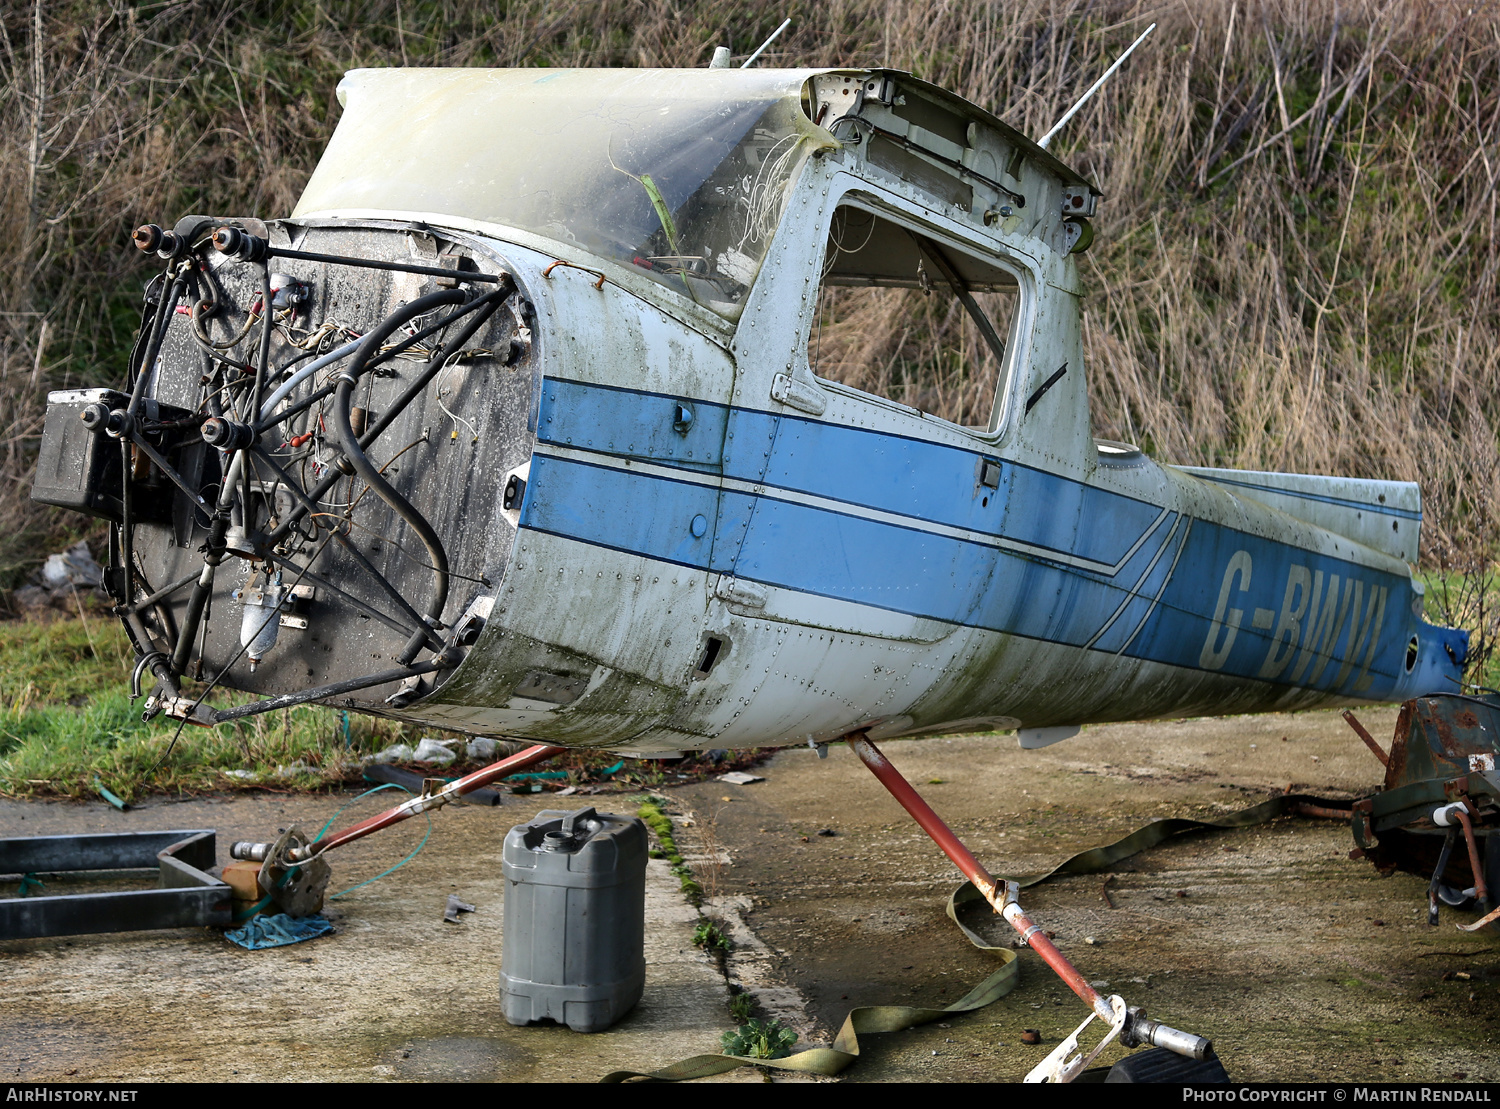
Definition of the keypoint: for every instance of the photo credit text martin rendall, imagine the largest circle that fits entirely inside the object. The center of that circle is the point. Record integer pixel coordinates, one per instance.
(1354, 1094)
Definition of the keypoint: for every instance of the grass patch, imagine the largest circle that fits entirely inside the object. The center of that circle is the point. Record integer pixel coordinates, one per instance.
(66, 718)
(60, 750)
(61, 661)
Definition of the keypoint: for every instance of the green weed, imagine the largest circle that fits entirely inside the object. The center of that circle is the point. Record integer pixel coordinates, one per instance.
(740, 1006)
(707, 936)
(759, 1039)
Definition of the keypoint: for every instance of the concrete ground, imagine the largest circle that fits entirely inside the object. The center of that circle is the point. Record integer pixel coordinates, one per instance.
(396, 993)
(1301, 964)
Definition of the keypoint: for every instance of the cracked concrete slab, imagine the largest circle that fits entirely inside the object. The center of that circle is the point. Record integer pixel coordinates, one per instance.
(396, 993)
(1300, 963)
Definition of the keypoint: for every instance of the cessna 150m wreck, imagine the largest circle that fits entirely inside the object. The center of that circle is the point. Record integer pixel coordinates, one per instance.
(517, 427)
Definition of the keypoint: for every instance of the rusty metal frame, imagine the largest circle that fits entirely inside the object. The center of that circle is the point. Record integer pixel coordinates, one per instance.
(187, 896)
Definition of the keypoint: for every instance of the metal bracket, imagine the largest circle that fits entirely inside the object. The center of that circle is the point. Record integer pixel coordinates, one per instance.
(743, 593)
(798, 394)
(186, 708)
(186, 896)
(1058, 1067)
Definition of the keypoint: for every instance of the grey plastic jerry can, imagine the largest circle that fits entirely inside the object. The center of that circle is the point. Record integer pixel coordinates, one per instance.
(575, 919)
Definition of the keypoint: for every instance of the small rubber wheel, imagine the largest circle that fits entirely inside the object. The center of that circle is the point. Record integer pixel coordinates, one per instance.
(1161, 1065)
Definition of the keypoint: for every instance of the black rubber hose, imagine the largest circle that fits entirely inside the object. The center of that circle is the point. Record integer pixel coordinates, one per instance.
(349, 443)
(160, 668)
(435, 365)
(267, 322)
(486, 303)
(411, 392)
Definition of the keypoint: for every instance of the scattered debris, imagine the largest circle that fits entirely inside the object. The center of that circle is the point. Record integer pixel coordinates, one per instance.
(483, 749)
(456, 906)
(740, 778)
(434, 751)
(108, 796)
(1031, 1036)
(282, 772)
(64, 581)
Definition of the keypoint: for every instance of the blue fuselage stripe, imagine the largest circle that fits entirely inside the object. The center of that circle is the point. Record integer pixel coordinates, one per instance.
(1211, 597)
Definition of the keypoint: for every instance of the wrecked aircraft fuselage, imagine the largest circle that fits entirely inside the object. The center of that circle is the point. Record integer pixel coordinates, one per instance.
(516, 427)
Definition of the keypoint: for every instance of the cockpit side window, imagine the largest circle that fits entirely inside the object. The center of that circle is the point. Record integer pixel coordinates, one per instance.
(914, 318)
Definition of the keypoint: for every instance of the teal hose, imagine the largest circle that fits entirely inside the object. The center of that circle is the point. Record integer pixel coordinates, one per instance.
(395, 868)
(383, 873)
(361, 797)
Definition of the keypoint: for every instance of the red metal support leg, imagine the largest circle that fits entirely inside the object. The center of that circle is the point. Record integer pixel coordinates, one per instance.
(494, 772)
(1003, 902)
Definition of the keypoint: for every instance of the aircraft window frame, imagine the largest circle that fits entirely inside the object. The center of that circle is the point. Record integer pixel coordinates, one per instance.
(1017, 334)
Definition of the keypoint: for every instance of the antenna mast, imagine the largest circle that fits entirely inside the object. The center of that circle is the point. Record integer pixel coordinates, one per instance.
(1058, 126)
(785, 23)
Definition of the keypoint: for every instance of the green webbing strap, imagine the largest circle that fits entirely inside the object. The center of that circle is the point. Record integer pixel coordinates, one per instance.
(894, 1018)
(1098, 858)
(845, 1049)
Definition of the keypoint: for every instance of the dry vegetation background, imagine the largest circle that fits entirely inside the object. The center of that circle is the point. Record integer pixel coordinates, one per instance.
(1295, 265)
